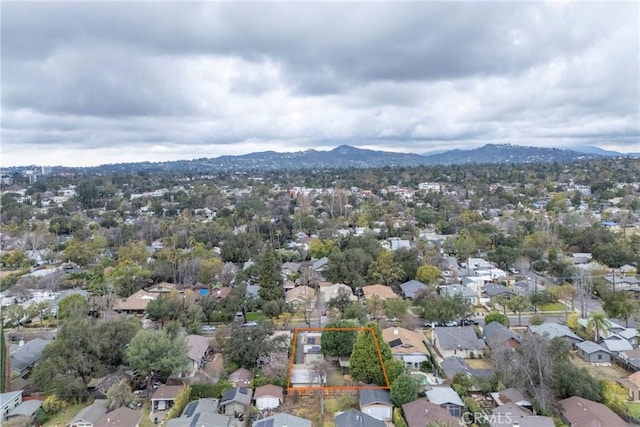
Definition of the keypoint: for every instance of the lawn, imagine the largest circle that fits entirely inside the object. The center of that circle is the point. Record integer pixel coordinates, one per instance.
(146, 419)
(556, 306)
(254, 316)
(634, 409)
(62, 418)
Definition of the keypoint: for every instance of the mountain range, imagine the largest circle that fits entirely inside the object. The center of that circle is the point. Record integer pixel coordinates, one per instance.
(346, 156)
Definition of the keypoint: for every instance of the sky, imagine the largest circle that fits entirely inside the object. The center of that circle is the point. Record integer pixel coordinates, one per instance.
(88, 83)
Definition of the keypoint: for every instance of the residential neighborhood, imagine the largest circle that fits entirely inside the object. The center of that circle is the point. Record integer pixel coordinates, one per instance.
(412, 299)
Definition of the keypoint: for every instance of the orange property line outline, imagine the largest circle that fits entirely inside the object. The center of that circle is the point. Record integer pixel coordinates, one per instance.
(311, 388)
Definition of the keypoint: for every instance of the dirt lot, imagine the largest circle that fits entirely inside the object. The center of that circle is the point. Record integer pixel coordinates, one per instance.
(479, 363)
(612, 372)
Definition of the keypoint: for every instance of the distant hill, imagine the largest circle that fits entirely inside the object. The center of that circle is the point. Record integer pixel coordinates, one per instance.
(507, 153)
(346, 156)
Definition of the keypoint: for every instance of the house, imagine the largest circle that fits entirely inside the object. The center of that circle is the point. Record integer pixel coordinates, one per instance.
(616, 345)
(406, 345)
(355, 418)
(376, 403)
(198, 348)
(121, 417)
(282, 420)
(510, 396)
(467, 293)
(421, 412)
(201, 413)
(25, 357)
(311, 347)
(580, 412)
(512, 415)
(164, 397)
(632, 384)
(135, 304)
(236, 400)
(241, 377)
(162, 288)
(301, 297)
(413, 288)
(631, 335)
(593, 353)
(458, 341)
(381, 291)
(555, 330)
(446, 398)
(220, 293)
(301, 376)
(498, 336)
(453, 365)
(26, 410)
(613, 330)
(10, 401)
(89, 416)
(630, 359)
(268, 396)
(332, 291)
(493, 290)
(288, 268)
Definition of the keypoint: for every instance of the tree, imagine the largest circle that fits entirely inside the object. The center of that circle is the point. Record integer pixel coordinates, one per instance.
(13, 314)
(341, 301)
(73, 305)
(404, 390)
(338, 343)
(119, 395)
(247, 346)
(396, 308)
(384, 270)
(444, 309)
(408, 259)
(532, 366)
(465, 245)
(269, 277)
(617, 305)
(348, 267)
(598, 324)
(517, 304)
(154, 352)
(365, 360)
(375, 305)
(319, 248)
(165, 307)
(5, 362)
(496, 316)
(394, 368)
(614, 395)
(128, 278)
(39, 310)
(429, 274)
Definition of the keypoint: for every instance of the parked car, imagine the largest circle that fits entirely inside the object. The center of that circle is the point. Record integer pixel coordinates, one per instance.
(208, 329)
(468, 322)
(450, 323)
(249, 324)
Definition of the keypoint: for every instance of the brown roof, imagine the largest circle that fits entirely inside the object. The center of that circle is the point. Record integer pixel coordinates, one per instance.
(268, 390)
(136, 302)
(632, 354)
(167, 392)
(635, 378)
(242, 374)
(162, 287)
(121, 417)
(301, 292)
(198, 346)
(410, 342)
(383, 292)
(587, 413)
(421, 412)
(221, 293)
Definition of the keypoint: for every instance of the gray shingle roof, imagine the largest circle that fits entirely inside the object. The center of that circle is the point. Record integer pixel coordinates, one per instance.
(553, 330)
(370, 396)
(590, 347)
(444, 395)
(282, 420)
(355, 418)
(410, 288)
(463, 337)
(27, 355)
(497, 334)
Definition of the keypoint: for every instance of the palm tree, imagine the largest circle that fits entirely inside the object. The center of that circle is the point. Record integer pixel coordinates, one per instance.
(598, 323)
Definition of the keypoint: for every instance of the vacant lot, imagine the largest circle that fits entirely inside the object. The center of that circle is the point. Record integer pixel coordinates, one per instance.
(480, 363)
(612, 372)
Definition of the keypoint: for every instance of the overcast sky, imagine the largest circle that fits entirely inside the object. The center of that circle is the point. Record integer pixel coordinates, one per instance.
(102, 82)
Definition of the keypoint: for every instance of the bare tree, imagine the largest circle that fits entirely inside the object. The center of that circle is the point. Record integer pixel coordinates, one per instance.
(318, 375)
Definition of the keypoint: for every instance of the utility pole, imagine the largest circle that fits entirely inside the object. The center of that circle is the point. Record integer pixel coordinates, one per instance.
(613, 279)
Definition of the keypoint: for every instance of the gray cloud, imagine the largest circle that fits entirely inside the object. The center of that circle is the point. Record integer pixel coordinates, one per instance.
(204, 79)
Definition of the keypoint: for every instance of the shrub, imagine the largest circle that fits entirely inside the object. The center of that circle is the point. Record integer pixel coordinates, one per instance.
(398, 419)
(52, 405)
(179, 403)
(199, 391)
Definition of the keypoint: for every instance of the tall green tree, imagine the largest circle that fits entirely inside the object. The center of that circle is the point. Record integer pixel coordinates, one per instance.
(598, 324)
(154, 352)
(429, 274)
(73, 305)
(517, 304)
(365, 363)
(165, 307)
(404, 390)
(269, 276)
(385, 270)
(617, 305)
(340, 342)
